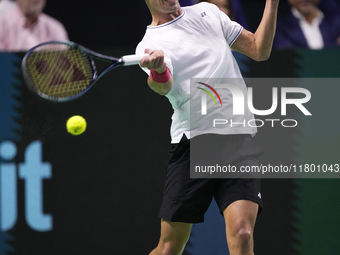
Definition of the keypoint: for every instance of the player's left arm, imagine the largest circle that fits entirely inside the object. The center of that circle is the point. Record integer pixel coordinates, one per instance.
(258, 45)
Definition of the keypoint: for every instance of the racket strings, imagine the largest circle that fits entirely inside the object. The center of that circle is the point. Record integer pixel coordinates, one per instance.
(60, 72)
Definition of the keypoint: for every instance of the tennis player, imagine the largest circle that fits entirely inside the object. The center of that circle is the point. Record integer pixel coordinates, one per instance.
(196, 41)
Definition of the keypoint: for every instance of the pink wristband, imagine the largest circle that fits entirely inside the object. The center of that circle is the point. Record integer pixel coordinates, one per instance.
(160, 78)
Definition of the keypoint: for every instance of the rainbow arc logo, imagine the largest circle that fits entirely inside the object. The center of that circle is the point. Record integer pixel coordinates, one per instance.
(209, 93)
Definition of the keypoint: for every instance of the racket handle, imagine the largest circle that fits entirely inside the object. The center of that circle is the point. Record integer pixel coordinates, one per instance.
(130, 60)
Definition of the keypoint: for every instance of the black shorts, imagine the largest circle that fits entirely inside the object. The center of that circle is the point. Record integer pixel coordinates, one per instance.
(187, 200)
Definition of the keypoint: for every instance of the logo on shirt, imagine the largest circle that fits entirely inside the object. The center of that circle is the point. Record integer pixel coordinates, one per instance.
(203, 14)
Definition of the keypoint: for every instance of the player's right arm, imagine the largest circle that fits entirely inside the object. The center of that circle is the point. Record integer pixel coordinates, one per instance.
(160, 79)
(258, 45)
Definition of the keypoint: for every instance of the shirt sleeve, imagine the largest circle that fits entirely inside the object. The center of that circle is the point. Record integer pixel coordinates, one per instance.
(231, 29)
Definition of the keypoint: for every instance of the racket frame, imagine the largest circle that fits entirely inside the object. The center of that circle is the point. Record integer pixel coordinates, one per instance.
(116, 62)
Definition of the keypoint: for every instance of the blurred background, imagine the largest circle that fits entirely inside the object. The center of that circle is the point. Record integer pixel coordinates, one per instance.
(107, 24)
(100, 192)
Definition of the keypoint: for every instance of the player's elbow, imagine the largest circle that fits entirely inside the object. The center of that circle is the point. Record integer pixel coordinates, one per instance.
(261, 56)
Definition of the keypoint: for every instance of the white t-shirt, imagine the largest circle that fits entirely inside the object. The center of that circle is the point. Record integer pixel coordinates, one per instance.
(196, 45)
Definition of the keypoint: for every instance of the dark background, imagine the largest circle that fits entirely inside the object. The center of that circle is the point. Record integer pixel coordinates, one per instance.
(110, 24)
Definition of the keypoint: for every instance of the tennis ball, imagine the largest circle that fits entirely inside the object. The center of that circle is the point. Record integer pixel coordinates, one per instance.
(76, 125)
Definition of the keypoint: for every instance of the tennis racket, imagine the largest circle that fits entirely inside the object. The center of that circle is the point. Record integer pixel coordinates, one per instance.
(62, 71)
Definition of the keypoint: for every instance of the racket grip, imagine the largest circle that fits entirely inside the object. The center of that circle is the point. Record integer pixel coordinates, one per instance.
(130, 60)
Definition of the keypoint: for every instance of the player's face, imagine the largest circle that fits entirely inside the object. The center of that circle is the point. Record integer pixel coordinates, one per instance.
(305, 6)
(31, 7)
(163, 6)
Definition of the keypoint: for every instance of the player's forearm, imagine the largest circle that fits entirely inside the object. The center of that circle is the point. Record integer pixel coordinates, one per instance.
(265, 33)
(161, 88)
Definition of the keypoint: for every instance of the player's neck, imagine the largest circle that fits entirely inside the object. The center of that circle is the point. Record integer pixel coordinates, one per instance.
(162, 18)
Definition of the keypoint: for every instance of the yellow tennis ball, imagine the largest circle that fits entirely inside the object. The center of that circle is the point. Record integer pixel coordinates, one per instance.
(76, 125)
